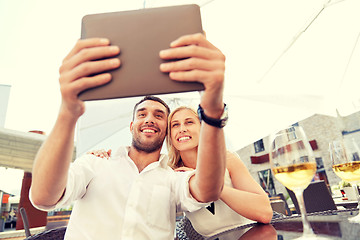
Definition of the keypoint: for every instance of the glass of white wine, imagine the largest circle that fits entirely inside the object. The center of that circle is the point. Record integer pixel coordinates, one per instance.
(293, 164)
(346, 165)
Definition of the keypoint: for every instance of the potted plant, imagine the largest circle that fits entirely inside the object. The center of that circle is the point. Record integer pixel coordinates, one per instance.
(348, 189)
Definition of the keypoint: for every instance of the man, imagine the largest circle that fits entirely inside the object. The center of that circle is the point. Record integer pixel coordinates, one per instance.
(135, 195)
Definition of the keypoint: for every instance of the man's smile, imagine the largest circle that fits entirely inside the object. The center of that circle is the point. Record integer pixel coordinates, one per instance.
(151, 130)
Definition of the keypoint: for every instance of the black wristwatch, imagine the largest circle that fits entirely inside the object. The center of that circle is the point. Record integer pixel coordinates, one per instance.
(219, 123)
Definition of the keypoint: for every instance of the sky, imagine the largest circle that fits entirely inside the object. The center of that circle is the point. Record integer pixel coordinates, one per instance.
(40, 33)
(281, 66)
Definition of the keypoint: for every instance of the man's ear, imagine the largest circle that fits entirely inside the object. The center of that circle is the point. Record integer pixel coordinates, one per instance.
(131, 126)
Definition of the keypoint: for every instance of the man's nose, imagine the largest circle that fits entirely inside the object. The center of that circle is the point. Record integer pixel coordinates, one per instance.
(149, 119)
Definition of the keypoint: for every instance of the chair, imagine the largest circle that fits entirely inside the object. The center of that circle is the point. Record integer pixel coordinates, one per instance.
(317, 198)
(185, 230)
(52, 234)
(278, 206)
(25, 221)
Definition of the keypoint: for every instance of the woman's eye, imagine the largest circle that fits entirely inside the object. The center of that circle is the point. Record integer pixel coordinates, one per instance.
(175, 125)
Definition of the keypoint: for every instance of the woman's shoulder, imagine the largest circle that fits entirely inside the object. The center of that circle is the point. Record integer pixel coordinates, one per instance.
(232, 157)
(233, 161)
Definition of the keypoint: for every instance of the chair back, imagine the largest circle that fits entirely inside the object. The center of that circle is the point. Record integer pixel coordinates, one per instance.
(278, 206)
(280, 196)
(52, 234)
(317, 198)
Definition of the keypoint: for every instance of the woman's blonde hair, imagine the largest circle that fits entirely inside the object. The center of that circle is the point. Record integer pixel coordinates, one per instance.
(174, 154)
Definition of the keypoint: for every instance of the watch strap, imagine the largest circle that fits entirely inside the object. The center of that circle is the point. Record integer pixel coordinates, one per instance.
(219, 123)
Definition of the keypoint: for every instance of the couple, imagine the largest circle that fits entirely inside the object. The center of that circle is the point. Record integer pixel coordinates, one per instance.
(135, 195)
(241, 199)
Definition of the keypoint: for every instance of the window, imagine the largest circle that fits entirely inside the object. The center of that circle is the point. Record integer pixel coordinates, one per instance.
(291, 133)
(320, 172)
(303, 159)
(259, 146)
(356, 157)
(266, 181)
(319, 164)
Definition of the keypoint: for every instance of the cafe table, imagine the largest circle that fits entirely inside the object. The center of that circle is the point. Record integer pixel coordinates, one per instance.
(341, 202)
(332, 224)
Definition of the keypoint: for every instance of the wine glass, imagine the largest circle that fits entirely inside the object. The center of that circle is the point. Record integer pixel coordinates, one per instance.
(346, 165)
(293, 165)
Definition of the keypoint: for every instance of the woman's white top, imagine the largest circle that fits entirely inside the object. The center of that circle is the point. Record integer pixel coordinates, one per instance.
(218, 217)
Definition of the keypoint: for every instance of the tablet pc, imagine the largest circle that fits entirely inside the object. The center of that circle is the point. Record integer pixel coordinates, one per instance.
(141, 34)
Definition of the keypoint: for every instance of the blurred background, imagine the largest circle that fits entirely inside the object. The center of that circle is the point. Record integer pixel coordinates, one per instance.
(286, 61)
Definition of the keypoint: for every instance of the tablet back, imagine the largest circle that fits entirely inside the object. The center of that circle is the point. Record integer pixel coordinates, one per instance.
(141, 34)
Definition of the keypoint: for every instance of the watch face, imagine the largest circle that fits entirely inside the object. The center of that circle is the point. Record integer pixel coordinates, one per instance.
(225, 114)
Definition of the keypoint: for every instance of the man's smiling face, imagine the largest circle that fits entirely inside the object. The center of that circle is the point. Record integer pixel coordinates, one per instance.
(149, 126)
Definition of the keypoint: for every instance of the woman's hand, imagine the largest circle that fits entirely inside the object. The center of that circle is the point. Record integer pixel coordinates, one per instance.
(201, 62)
(183, 169)
(101, 153)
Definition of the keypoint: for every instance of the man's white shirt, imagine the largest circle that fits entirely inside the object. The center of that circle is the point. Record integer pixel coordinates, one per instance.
(114, 201)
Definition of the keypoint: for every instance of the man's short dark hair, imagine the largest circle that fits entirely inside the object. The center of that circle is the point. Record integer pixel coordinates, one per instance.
(151, 98)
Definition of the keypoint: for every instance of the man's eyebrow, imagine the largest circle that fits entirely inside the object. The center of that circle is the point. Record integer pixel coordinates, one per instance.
(160, 111)
(140, 109)
(156, 110)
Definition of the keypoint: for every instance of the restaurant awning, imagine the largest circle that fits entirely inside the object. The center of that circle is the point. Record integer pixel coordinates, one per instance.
(18, 149)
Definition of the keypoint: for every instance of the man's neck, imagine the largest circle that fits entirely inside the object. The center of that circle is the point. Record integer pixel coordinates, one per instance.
(143, 159)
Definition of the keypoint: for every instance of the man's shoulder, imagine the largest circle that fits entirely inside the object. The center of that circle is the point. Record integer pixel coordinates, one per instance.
(91, 159)
(120, 152)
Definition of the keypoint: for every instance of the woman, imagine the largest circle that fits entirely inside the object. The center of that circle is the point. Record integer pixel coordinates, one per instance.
(242, 200)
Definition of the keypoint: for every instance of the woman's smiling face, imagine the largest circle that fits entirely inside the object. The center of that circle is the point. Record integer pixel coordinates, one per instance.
(185, 130)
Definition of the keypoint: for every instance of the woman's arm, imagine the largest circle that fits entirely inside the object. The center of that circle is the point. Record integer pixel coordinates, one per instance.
(267, 232)
(247, 197)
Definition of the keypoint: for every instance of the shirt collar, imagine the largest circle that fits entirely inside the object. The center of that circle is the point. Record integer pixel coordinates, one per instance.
(123, 152)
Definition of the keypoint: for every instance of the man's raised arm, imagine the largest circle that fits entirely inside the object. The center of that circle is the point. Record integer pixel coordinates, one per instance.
(53, 159)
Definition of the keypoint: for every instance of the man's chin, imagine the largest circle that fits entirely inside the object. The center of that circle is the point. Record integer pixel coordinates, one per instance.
(148, 146)
(146, 149)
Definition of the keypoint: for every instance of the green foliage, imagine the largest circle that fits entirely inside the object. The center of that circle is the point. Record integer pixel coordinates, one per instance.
(343, 184)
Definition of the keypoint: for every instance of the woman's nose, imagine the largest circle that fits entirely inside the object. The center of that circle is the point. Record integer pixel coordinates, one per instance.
(183, 128)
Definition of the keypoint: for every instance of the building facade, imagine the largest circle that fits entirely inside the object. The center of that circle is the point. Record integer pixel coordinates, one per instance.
(320, 130)
(4, 100)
